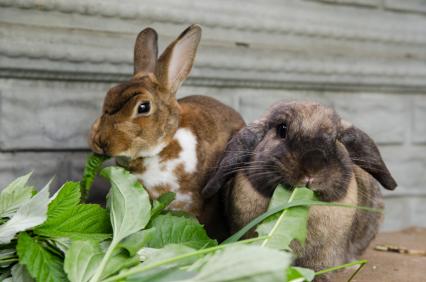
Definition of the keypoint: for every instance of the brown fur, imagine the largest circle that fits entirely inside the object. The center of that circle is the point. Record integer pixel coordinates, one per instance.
(139, 139)
(337, 161)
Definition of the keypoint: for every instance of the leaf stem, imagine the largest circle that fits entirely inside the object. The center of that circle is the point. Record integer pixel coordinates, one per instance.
(142, 268)
(278, 221)
(334, 268)
(279, 208)
(104, 261)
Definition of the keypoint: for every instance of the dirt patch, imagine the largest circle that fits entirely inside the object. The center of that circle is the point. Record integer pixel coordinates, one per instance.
(392, 267)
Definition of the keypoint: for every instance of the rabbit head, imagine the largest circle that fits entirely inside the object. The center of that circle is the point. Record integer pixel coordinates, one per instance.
(300, 144)
(140, 117)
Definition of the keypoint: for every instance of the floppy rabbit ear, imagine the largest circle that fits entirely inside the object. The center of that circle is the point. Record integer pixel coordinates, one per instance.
(146, 52)
(364, 153)
(175, 64)
(237, 155)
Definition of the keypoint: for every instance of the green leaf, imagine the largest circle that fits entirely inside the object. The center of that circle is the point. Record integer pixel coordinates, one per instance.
(130, 207)
(162, 202)
(14, 195)
(93, 165)
(120, 260)
(67, 218)
(130, 210)
(151, 256)
(138, 240)
(30, 214)
(20, 274)
(81, 260)
(162, 275)
(41, 264)
(247, 263)
(300, 274)
(170, 229)
(290, 224)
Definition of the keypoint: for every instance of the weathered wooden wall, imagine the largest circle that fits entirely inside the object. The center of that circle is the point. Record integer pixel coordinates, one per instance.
(367, 58)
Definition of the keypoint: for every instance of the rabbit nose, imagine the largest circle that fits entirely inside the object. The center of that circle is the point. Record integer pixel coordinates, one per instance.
(100, 145)
(313, 160)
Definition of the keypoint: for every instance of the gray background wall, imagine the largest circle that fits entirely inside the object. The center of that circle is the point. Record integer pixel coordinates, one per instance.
(367, 58)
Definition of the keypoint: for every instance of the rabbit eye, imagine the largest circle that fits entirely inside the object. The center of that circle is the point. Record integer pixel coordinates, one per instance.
(144, 108)
(282, 130)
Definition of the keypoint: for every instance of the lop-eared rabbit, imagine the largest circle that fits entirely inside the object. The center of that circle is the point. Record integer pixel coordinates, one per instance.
(306, 144)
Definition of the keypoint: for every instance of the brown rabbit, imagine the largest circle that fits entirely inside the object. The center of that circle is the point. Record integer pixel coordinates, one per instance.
(306, 144)
(171, 145)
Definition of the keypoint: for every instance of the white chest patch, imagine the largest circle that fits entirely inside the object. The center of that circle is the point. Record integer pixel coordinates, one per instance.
(158, 172)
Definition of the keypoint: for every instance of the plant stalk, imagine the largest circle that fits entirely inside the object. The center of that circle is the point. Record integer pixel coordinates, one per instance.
(334, 268)
(141, 268)
(104, 261)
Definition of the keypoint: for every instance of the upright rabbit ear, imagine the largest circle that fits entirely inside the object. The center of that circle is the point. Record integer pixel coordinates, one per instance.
(364, 153)
(146, 52)
(237, 155)
(175, 64)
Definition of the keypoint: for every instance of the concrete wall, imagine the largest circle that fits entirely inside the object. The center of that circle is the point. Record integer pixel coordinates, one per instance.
(367, 58)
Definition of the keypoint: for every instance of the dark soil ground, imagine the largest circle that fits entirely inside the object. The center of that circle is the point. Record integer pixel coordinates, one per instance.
(392, 267)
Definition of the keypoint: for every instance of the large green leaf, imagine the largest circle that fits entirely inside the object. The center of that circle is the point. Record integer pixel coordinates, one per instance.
(130, 210)
(82, 259)
(30, 214)
(41, 264)
(247, 263)
(288, 225)
(170, 229)
(68, 218)
(14, 195)
(129, 204)
(165, 272)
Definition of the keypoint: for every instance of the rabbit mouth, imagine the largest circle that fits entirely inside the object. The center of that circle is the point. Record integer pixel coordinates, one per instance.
(122, 161)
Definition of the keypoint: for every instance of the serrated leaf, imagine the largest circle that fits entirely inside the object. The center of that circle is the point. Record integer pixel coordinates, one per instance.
(82, 260)
(162, 202)
(67, 218)
(29, 215)
(20, 274)
(14, 195)
(247, 263)
(93, 165)
(170, 229)
(138, 240)
(300, 274)
(130, 207)
(41, 264)
(288, 225)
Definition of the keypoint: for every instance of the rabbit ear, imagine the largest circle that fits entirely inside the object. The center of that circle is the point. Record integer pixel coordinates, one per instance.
(146, 52)
(175, 63)
(237, 155)
(364, 153)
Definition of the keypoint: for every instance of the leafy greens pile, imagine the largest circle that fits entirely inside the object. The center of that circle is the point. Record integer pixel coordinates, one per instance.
(61, 238)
